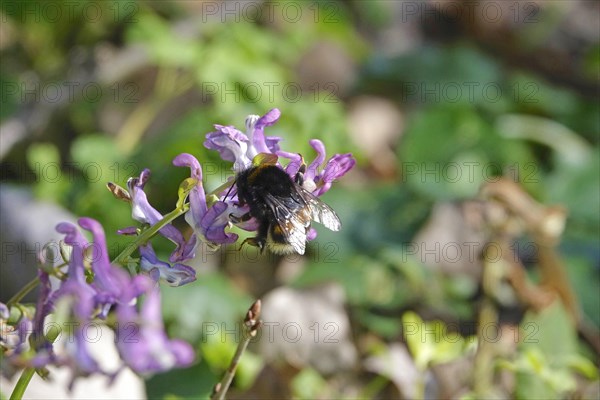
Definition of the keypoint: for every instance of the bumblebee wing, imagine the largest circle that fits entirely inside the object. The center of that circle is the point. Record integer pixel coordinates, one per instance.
(321, 212)
(292, 224)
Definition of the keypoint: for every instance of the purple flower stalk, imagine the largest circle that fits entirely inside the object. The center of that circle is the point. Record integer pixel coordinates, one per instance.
(111, 288)
(234, 146)
(176, 274)
(142, 341)
(210, 223)
(143, 212)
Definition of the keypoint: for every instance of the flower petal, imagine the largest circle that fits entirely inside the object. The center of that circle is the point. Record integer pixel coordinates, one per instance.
(295, 162)
(143, 212)
(130, 230)
(231, 144)
(175, 275)
(215, 221)
(147, 348)
(111, 283)
(336, 167)
(311, 171)
(197, 196)
(256, 128)
(75, 239)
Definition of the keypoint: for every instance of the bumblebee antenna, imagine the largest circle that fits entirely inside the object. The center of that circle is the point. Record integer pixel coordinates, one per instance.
(229, 191)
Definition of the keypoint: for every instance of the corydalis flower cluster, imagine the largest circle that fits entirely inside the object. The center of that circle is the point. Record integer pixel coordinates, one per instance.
(93, 287)
(210, 224)
(140, 337)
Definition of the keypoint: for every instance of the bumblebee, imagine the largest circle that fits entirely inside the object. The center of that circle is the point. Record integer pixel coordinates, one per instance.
(282, 207)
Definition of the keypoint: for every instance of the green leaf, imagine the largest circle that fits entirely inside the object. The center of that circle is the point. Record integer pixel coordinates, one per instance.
(577, 186)
(430, 342)
(552, 332)
(51, 181)
(580, 270)
(163, 44)
(413, 331)
(449, 150)
(387, 327)
(95, 148)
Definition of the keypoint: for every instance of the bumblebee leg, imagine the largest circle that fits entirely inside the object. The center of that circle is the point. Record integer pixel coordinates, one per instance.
(260, 240)
(254, 241)
(236, 220)
(299, 179)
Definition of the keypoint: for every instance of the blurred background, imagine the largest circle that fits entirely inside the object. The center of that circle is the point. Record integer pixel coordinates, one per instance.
(468, 264)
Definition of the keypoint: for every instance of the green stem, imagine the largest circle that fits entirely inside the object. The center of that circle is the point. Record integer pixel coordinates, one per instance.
(230, 373)
(21, 386)
(120, 259)
(251, 324)
(27, 374)
(153, 230)
(488, 316)
(23, 292)
(29, 287)
(148, 233)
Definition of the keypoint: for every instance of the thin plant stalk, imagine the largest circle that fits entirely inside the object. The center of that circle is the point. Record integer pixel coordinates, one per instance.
(251, 323)
(22, 383)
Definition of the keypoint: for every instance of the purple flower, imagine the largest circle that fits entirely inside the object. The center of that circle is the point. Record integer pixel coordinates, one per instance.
(23, 329)
(175, 275)
(241, 149)
(215, 221)
(75, 285)
(234, 146)
(13, 341)
(4, 312)
(143, 212)
(209, 224)
(82, 299)
(111, 288)
(78, 358)
(231, 144)
(142, 341)
(255, 129)
(315, 181)
(110, 282)
(43, 348)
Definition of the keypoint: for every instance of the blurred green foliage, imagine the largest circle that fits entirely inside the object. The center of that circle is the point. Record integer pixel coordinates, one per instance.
(479, 111)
